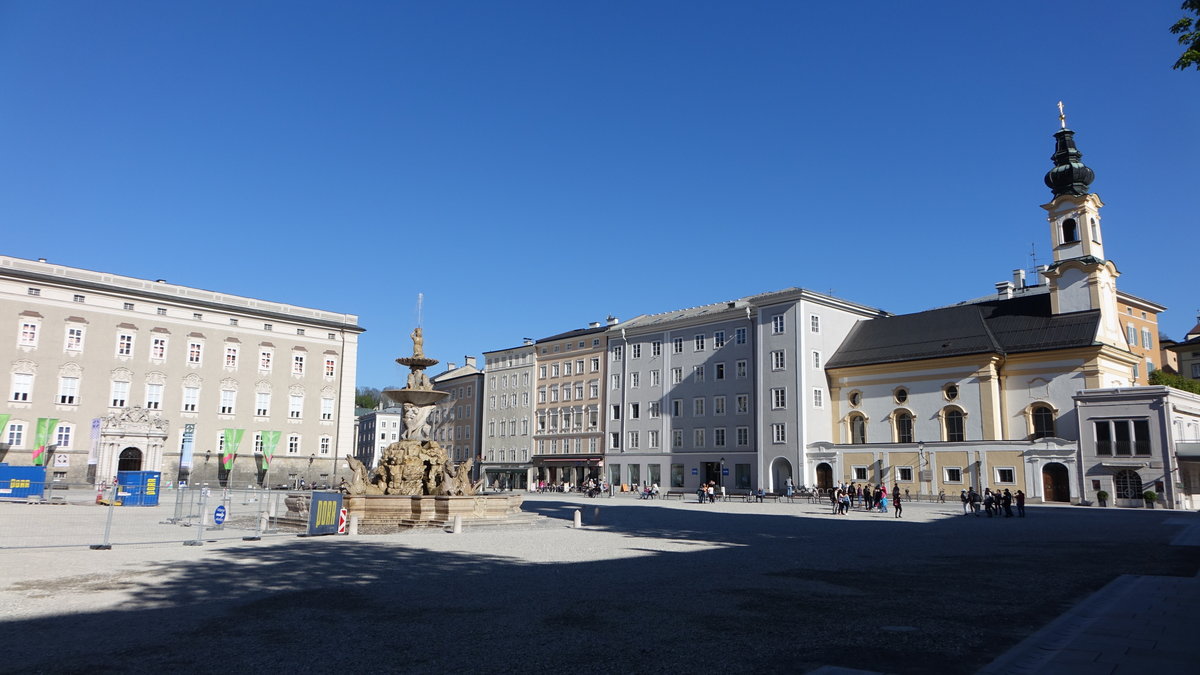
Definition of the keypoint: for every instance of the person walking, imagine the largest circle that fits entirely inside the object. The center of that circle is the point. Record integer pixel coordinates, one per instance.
(896, 502)
(1020, 503)
(1006, 501)
(965, 501)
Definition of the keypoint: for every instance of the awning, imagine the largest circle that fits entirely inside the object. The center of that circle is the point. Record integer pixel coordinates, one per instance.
(1189, 450)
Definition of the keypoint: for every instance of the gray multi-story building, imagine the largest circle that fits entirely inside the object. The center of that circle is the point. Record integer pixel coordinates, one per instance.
(730, 392)
(508, 417)
(133, 374)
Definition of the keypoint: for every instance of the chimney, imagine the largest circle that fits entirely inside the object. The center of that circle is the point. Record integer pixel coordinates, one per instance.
(612, 320)
(1041, 272)
(41, 260)
(470, 361)
(1019, 279)
(450, 365)
(1004, 289)
(594, 324)
(527, 341)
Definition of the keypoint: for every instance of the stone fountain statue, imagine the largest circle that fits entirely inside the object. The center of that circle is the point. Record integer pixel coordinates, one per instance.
(416, 464)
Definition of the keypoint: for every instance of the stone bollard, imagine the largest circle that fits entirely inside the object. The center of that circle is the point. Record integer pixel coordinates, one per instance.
(578, 519)
(352, 530)
(457, 525)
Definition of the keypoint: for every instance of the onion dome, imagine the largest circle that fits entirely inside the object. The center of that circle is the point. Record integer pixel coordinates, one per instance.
(1069, 176)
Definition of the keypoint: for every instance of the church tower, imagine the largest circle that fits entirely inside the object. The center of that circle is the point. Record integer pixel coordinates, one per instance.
(1080, 278)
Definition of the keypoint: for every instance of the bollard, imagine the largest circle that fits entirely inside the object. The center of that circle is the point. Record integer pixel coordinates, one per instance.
(112, 503)
(353, 528)
(578, 519)
(457, 525)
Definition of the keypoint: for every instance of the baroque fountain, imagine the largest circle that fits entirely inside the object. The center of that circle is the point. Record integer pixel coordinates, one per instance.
(416, 483)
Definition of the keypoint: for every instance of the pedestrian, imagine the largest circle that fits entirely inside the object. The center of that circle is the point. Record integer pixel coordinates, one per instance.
(700, 493)
(974, 497)
(1020, 503)
(1006, 501)
(965, 501)
(712, 493)
(896, 502)
(989, 502)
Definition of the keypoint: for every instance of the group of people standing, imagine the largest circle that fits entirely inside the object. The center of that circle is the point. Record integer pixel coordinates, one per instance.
(869, 497)
(993, 502)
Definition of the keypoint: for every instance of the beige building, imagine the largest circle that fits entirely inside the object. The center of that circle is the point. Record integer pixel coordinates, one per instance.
(149, 375)
(1139, 317)
(1188, 353)
(569, 395)
(980, 394)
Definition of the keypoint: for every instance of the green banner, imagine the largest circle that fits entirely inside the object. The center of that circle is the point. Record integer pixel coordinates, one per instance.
(270, 439)
(41, 438)
(233, 438)
(3, 425)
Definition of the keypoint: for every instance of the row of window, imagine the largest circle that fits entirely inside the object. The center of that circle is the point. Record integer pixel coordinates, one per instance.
(567, 347)
(293, 444)
(18, 432)
(510, 400)
(562, 369)
(699, 437)
(507, 455)
(952, 421)
(1004, 475)
(509, 428)
(74, 344)
(119, 397)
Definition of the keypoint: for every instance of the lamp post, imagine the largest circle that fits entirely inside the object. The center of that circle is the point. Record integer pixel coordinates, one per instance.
(721, 475)
(922, 462)
(207, 456)
(308, 474)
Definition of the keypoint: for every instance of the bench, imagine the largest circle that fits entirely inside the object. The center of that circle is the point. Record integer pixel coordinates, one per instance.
(673, 494)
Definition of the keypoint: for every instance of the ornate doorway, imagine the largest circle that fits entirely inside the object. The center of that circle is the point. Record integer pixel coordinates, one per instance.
(1055, 483)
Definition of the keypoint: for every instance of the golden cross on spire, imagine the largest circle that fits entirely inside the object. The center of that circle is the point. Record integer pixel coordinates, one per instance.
(1062, 116)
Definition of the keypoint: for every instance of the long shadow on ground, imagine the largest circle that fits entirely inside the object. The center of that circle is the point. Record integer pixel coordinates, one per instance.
(758, 593)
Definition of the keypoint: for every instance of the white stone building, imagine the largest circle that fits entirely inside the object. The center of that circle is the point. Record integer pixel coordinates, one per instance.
(148, 375)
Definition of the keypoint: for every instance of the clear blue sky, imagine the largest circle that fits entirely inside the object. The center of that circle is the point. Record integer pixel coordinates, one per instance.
(550, 163)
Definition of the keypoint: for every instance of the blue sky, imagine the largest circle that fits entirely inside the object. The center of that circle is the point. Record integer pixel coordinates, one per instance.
(534, 166)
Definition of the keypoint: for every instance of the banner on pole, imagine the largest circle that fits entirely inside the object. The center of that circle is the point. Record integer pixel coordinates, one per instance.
(270, 439)
(94, 450)
(41, 438)
(233, 438)
(187, 448)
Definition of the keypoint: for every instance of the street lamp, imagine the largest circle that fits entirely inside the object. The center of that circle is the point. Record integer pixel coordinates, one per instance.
(721, 475)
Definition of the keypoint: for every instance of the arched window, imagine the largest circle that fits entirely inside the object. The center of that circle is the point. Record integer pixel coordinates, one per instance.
(955, 424)
(1128, 484)
(1070, 231)
(1043, 421)
(858, 429)
(904, 426)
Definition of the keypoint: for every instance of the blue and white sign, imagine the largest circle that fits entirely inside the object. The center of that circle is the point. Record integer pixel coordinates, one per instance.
(219, 515)
(725, 471)
(695, 471)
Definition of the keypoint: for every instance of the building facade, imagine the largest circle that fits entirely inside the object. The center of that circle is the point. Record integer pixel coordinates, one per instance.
(376, 430)
(980, 394)
(1138, 439)
(456, 420)
(723, 393)
(569, 399)
(1139, 318)
(508, 418)
(132, 374)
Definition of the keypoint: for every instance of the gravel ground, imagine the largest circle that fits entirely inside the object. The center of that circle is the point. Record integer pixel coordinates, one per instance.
(663, 585)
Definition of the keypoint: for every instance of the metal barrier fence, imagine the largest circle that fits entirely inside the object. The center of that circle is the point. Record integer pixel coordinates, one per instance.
(72, 515)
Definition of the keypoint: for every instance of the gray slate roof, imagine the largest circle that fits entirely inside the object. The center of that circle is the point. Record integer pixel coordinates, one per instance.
(1021, 324)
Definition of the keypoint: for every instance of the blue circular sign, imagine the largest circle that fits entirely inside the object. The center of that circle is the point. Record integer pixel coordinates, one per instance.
(219, 515)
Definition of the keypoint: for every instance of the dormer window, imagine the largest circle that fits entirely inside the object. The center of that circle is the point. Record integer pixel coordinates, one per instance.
(1070, 231)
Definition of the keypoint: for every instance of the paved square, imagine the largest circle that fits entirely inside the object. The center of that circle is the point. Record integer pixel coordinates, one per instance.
(645, 585)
